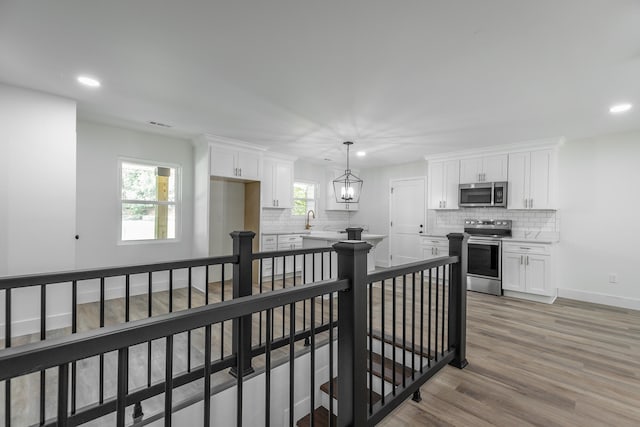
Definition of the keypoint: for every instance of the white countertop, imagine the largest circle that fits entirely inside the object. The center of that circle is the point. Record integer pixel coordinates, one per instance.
(280, 233)
(334, 236)
(518, 237)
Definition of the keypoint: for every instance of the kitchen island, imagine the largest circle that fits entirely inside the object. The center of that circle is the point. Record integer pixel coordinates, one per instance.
(323, 239)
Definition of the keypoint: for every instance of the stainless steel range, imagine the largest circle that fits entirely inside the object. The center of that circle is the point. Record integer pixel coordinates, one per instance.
(484, 272)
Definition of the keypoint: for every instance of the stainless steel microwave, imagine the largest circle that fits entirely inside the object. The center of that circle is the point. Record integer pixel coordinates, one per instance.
(483, 195)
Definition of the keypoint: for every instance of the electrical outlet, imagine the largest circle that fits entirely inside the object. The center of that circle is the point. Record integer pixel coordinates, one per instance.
(613, 278)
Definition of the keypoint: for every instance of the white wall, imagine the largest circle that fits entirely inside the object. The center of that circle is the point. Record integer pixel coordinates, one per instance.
(38, 194)
(99, 147)
(374, 201)
(599, 202)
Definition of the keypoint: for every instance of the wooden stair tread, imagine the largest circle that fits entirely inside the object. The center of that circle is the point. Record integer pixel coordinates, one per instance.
(325, 387)
(388, 369)
(320, 418)
(388, 339)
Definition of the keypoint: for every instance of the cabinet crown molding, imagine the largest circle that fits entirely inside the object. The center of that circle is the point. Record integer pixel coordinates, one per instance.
(538, 144)
(224, 142)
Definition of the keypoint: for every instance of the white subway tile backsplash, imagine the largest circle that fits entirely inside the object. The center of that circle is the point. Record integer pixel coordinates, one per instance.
(276, 220)
(530, 221)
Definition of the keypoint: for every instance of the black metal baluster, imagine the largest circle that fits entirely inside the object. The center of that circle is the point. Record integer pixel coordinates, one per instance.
(292, 358)
(123, 378)
(260, 314)
(267, 372)
(444, 274)
(371, 348)
(421, 318)
(207, 376)
(429, 322)
(74, 329)
(331, 423)
(449, 298)
(63, 394)
(240, 373)
(127, 295)
(189, 303)
(393, 350)
(312, 400)
(284, 269)
(404, 328)
(382, 322)
(7, 344)
(149, 313)
(273, 286)
(43, 336)
(206, 285)
(170, 291)
(304, 302)
(222, 323)
(168, 381)
(413, 326)
(101, 357)
(436, 317)
(322, 297)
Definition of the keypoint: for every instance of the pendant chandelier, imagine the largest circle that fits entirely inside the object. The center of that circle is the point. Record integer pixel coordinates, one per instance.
(347, 187)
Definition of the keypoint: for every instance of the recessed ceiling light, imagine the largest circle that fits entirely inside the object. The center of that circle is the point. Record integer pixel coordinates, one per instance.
(361, 154)
(620, 108)
(88, 81)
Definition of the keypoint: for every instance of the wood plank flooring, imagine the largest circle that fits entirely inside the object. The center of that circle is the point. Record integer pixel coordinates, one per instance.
(566, 364)
(532, 364)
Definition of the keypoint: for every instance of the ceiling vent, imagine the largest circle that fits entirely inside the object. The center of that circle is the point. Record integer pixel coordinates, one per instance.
(162, 125)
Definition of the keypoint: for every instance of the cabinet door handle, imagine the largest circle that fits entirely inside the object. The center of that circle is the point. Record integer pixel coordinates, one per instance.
(277, 202)
(527, 259)
(531, 203)
(444, 202)
(521, 259)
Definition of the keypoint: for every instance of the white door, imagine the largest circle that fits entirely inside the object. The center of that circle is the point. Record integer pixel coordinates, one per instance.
(283, 177)
(222, 162)
(249, 165)
(451, 181)
(407, 215)
(538, 274)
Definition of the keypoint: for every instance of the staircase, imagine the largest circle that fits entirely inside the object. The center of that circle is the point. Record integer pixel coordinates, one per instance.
(384, 382)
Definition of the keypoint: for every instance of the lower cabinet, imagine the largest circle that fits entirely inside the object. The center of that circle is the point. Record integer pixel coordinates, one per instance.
(283, 242)
(528, 268)
(434, 247)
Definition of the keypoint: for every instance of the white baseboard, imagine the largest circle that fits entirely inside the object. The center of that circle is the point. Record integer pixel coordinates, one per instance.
(531, 297)
(32, 326)
(599, 298)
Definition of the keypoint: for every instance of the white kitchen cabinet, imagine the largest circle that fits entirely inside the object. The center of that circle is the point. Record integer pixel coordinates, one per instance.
(434, 247)
(277, 183)
(484, 169)
(331, 204)
(444, 178)
(532, 180)
(283, 242)
(527, 268)
(230, 162)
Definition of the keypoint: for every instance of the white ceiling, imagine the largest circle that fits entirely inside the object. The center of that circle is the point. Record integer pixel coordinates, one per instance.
(401, 78)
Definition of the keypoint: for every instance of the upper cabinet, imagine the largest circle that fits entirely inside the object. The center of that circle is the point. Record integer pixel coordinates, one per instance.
(443, 184)
(232, 162)
(331, 204)
(532, 180)
(277, 183)
(484, 169)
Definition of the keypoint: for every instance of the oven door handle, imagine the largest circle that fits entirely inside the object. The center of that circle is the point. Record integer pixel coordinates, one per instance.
(483, 242)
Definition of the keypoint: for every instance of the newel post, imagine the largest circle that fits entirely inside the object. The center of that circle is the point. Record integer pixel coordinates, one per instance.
(458, 299)
(352, 333)
(242, 287)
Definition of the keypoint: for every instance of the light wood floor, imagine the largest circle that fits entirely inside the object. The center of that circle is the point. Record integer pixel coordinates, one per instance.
(532, 364)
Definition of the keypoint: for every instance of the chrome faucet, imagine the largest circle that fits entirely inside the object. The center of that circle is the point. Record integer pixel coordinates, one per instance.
(308, 225)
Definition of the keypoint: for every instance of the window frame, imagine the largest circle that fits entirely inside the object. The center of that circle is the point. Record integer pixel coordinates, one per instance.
(294, 198)
(177, 203)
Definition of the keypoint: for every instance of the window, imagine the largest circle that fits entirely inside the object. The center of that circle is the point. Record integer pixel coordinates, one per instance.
(304, 198)
(148, 201)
